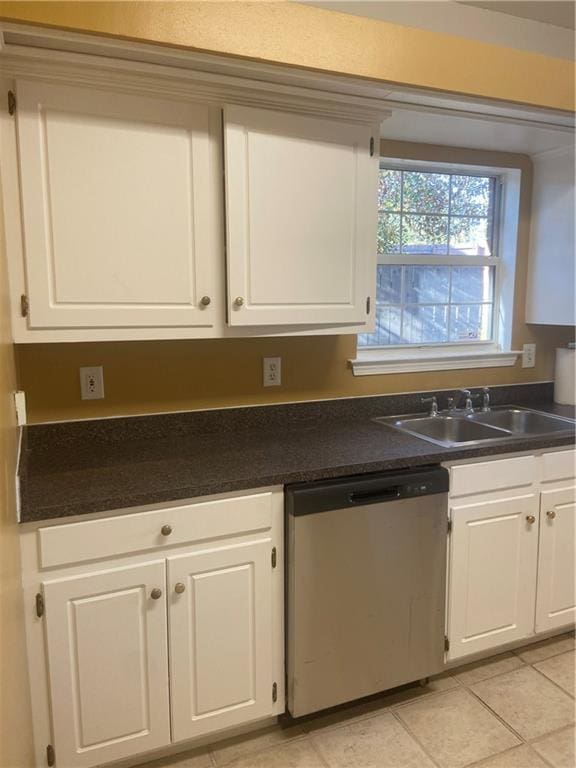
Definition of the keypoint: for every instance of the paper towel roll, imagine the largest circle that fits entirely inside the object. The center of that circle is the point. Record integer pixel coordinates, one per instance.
(565, 378)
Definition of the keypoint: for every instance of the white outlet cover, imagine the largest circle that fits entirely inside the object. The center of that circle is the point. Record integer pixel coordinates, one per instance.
(528, 355)
(272, 371)
(92, 383)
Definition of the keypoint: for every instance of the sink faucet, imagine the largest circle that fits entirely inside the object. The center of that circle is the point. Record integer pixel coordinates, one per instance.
(486, 399)
(433, 404)
(468, 403)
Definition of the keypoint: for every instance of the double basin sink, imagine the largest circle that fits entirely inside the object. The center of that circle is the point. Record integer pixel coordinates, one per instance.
(453, 428)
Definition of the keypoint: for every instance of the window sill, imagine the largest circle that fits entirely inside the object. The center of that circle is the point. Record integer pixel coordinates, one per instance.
(371, 362)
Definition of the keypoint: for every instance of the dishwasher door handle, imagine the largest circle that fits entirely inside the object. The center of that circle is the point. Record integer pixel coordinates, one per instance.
(373, 497)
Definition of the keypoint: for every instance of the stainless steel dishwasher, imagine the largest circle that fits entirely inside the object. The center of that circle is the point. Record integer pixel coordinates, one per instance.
(365, 585)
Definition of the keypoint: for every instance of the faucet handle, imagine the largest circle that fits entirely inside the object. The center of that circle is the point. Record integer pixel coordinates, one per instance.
(434, 404)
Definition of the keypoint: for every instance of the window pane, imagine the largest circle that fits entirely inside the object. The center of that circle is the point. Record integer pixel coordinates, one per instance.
(426, 285)
(425, 234)
(388, 284)
(425, 325)
(471, 322)
(389, 233)
(472, 284)
(387, 329)
(469, 236)
(471, 195)
(426, 192)
(389, 183)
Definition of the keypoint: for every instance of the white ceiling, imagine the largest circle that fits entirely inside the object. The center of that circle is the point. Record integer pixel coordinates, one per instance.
(560, 13)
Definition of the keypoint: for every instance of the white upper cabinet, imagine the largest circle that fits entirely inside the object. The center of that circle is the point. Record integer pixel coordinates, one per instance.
(551, 298)
(301, 207)
(115, 192)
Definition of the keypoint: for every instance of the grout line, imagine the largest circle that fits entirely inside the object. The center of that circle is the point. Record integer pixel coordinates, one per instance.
(317, 750)
(415, 738)
(260, 750)
(485, 760)
(496, 715)
(551, 733)
(550, 680)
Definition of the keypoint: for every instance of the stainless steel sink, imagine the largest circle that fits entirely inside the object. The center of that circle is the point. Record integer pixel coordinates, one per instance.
(460, 429)
(524, 422)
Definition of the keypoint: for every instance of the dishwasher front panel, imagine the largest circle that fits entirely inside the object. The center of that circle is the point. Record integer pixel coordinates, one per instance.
(365, 599)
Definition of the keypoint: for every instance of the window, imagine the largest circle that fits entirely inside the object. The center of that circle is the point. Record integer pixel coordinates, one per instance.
(437, 258)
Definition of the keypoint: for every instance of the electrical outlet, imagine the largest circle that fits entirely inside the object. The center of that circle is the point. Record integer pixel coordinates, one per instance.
(528, 355)
(92, 383)
(272, 371)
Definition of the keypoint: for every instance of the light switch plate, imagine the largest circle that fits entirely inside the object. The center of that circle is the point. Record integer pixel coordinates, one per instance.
(528, 355)
(272, 371)
(92, 383)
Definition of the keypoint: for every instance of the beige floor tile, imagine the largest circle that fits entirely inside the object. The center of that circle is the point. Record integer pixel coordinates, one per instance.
(527, 701)
(519, 757)
(456, 729)
(226, 751)
(482, 670)
(195, 758)
(561, 669)
(296, 754)
(546, 648)
(376, 742)
(558, 748)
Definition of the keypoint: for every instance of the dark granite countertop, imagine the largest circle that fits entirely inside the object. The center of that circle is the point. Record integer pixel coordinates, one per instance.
(77, 468)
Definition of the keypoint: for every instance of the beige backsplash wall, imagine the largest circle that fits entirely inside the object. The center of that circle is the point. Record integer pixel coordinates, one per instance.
(154, 376)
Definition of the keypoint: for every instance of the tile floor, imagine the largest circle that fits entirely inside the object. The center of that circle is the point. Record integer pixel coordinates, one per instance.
(514, 710)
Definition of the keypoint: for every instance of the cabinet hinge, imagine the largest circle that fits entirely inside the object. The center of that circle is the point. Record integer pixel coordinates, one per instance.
(367, 305)
(449, 525)
(11, 103)
(24, 305)
(274, 557)
(40, 605)
(274, 692)
(50, 755)
(371, 146)
(446, 643)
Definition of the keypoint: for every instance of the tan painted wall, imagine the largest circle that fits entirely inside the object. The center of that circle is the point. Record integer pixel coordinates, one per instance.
(15, 715)
(303, 36)
(147, 377)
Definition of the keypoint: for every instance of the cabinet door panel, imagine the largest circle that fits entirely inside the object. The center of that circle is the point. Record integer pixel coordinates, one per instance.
(107, 654)
(556, 601)
(301, 218)
(493, 556)
(115, 208)
(220, 638)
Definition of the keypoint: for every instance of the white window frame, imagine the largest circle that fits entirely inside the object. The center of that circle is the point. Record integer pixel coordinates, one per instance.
(497, 352)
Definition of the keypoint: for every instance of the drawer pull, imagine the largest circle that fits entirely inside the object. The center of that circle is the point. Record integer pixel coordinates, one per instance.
(179, 588)
(551, 514)
(156, 593)
(166, 530)
(530, 519)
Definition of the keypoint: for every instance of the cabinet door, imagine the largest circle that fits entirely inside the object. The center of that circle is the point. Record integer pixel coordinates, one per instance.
(492, 576)
(301, 207)
(556, 601)
(116, 208)
(220, 637)
(107, 655)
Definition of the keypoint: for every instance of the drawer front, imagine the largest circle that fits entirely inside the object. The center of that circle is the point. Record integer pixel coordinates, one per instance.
(559, 465)
(127, 534)
(486, 476)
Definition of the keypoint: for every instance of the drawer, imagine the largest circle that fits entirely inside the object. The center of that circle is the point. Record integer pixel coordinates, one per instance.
(496, 475)
(127, 534)
(559, 465)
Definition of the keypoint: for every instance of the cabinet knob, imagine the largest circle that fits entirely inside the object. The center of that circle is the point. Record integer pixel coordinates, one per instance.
(179, 588)
(238, 301)
(530, 519)
(205, 300)
(166, 530)
(156, 594)
(551, 514)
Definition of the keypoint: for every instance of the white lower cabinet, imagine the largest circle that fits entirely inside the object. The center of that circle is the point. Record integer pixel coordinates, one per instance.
(221, 671)
(556, 600)
(511, 551)
(131, 654)
(107, 653)
(492, 573)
